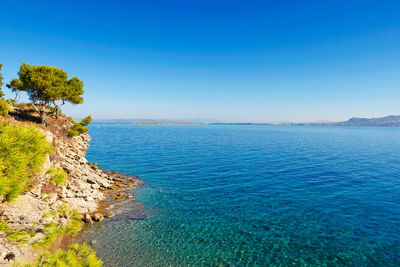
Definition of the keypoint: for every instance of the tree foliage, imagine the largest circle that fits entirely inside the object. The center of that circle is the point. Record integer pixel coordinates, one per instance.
(23, 151)
(47, 85)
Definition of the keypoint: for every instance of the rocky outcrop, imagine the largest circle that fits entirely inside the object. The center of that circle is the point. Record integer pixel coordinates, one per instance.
(86, 186)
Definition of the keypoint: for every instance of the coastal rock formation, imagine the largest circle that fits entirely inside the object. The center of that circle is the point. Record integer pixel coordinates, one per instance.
(34, 210)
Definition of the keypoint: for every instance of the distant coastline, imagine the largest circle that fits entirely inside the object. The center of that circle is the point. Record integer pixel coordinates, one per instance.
(167, 123)
(388, 121)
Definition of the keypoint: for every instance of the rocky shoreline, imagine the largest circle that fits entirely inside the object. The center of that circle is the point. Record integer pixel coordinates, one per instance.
(86, 191)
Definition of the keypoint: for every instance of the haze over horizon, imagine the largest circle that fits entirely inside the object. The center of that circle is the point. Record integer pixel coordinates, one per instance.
(233, 61)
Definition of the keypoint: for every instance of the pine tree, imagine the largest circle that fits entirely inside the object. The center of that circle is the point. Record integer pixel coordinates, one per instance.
(47, 85)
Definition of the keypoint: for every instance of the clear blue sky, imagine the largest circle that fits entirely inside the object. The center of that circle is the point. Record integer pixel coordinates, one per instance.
(257, 61)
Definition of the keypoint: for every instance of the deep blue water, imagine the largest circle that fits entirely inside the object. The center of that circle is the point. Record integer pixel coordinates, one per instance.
(253, 195)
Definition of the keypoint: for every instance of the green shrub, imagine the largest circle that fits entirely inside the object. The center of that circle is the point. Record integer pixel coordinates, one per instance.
(76, 256)
(4, 108)
(57, 176)
(11, 102)
(79, 128)
(23, 151)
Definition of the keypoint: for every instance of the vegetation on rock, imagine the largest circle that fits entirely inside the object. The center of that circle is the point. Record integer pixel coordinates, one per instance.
(11, 102)
(55, 228)
(76, 255)
(23, 151)
(14, 235)
(79, 128)
(57, 176)
(4, 108)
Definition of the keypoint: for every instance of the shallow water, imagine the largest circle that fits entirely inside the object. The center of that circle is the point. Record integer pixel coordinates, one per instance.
(253, 195)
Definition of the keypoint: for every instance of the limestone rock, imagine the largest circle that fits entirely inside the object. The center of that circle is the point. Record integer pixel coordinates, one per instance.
(87, 218)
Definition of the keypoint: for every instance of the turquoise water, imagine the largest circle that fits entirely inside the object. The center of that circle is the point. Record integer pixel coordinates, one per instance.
(252, 195)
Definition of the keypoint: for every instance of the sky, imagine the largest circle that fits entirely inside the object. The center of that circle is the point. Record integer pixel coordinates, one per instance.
(232, 61)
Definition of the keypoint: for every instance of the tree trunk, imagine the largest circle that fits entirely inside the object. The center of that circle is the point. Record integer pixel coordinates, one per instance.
(42, 113)
(57, 109)
(17, 95)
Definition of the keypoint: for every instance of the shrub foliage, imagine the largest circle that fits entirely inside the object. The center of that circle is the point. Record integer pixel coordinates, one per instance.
(23, 151)
(57, 176)
(4, 108)
(14, 235)
(54, 229)
(76, 255)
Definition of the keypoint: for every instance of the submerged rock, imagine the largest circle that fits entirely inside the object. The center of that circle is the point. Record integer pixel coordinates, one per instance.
(98, 217)
(137, 217)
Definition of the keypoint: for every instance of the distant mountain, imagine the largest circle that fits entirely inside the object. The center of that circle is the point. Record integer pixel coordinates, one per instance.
(391, 120)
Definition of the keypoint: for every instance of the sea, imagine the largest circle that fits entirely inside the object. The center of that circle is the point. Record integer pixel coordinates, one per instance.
(251, 195)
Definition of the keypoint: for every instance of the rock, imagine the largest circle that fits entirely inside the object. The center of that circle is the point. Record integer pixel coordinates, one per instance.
(93, 242)
(89, 198)
(108, 214)
(46, 220)
(38, 236)
(98, 217)
(90, 180)
(104, 183)
(39, 228)
(82, 205)
(118, 196)
(63, 221)
(10, 256)
(87, 218)
(95, 186)
(52, 197)
(47, 164)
